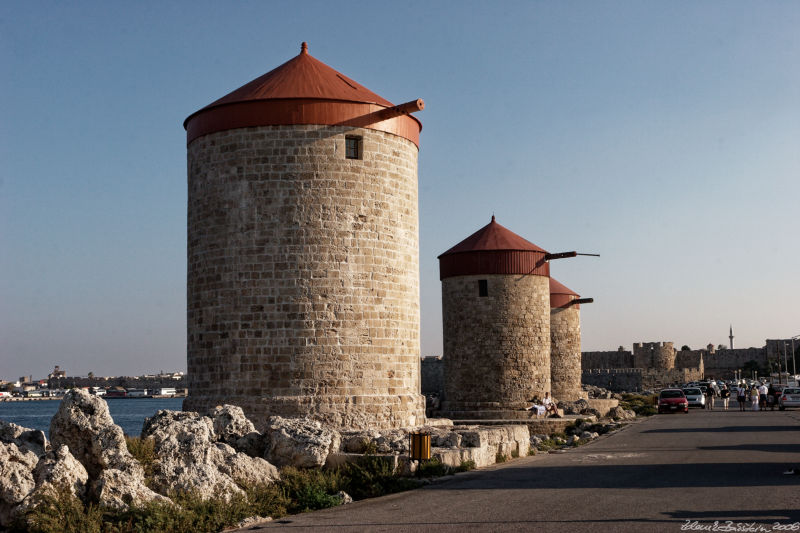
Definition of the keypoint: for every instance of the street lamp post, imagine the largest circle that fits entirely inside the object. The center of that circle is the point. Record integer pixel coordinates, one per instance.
(785, 362)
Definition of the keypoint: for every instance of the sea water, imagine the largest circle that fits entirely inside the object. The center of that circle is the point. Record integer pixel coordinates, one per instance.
(128, 413)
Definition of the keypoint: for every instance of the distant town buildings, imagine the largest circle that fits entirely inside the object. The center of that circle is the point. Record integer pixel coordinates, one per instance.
(57, 382)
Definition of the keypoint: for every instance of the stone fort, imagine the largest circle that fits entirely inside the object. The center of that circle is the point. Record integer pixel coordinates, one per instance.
(654, 364)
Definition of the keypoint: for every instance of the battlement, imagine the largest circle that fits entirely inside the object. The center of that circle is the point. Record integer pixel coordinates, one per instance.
(658, 355)
(605, 371)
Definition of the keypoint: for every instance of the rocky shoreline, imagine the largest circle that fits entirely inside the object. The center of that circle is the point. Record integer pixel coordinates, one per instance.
(217, 454)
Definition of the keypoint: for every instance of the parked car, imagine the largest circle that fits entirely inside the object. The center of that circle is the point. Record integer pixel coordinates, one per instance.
(672, 401)
(790, 397)
(695, 397)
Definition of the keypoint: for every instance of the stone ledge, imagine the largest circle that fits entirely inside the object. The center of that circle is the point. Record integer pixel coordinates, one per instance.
(602, 405)
(536, 426)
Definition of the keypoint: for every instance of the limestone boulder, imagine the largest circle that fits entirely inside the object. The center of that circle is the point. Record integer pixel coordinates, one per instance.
(120, 490)
(359, 441)
(189, 458)
(299, 442)
(252, 444)
(393, 441)
(84, 425)
(232, 427)
(21, 449)
(591, 411)
(59, 469)
(445, 439)
(620, 413)
(16, 478)
(242, 468)
(28, 439)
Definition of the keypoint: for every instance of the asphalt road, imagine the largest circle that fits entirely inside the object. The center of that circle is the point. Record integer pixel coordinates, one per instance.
(662, 473)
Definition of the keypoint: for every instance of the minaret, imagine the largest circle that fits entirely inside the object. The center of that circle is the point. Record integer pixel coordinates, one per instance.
(731, 336)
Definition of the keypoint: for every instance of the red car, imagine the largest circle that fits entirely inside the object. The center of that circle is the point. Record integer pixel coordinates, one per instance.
(672, 401)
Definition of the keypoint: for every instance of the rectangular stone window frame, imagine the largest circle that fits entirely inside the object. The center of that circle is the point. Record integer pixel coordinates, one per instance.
(483, 287)
(353, 147)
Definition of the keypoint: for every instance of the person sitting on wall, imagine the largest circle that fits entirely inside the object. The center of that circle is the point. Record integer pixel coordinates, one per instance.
(536, 407)
(550, 406)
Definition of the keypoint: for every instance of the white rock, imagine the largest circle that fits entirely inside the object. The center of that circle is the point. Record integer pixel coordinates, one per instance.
(229, 423)
(29, 439)
(252, 520)
(57, 469)
(16, 478)
(119, 490)
(190, 459)
(300, 442)
(84, 425)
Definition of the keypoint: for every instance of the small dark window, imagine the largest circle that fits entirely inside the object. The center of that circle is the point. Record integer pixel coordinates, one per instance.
(483, 287)
(353, 147)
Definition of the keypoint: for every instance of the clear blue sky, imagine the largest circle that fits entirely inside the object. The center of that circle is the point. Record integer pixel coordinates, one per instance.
(663, 135)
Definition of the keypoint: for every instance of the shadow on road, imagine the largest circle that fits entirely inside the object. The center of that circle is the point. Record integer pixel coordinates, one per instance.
(725, 429)
(600, 476)
(739, 515)
(776, 448)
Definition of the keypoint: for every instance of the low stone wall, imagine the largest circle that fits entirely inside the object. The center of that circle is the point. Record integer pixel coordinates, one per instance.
(539, 426)
(614, 379)
(602, 405)
(482, 445)
(639, 379)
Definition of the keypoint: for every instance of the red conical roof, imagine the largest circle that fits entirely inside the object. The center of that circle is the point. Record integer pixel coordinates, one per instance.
(493, 249)
(304, 90)
(303, 76)
(493, 236)
(560, 295)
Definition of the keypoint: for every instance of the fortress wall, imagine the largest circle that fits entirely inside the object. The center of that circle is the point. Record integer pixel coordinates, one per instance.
(610, 359)
(722, 363)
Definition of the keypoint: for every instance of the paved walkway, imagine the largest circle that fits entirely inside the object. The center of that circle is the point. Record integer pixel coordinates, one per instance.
(659, 474)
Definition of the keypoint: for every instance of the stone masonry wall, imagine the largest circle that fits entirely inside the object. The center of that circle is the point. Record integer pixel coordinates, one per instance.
(639, 379)
(432, 375)
(615, 359)
(565, 353)
(722, 363)
(660, 355)
(614, 379)
(497, 347)
(303, 276)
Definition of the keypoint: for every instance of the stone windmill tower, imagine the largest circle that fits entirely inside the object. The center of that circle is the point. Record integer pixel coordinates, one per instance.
(565, 347)
(303, 251)
(496, 324)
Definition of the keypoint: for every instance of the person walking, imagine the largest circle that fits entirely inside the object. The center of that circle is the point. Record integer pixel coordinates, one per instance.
(762, 397)
(710, 397)
(725, 394)
(741, 397)
(771, 397)
(754, 397)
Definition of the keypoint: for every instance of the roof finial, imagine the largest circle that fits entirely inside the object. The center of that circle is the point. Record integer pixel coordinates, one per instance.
(492, 217)
(304, 48)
